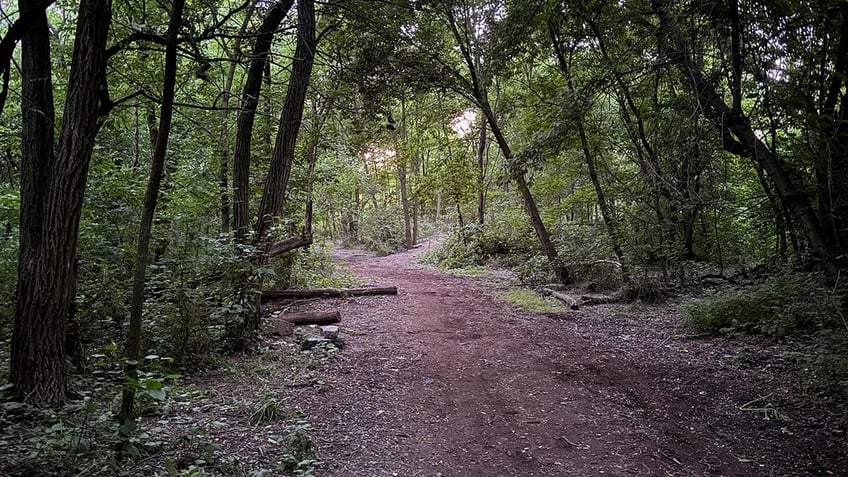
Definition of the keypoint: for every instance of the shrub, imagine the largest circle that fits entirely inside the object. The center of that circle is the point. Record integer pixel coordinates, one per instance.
(783, 305)
(382, 231)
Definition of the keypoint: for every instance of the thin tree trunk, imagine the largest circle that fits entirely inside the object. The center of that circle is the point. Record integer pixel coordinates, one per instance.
(606, 214)
(157, 170)
(274, 194)
(481, 173)
(415, 205)
(530, 207)
(247, 116)
(477, 90)
(438, 208)
(52, 192)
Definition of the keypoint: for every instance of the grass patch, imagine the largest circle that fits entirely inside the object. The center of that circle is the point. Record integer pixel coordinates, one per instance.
(531, 301)
(468, 271)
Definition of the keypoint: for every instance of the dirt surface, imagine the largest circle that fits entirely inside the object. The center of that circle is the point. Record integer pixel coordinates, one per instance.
(447, 379)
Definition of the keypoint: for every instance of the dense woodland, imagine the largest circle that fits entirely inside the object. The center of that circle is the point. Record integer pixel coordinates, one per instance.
(161, 163)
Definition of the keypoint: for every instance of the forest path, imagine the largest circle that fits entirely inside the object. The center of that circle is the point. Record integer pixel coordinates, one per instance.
(448, 379)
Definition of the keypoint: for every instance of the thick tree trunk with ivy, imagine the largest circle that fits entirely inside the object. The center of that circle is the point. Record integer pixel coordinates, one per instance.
(247, 116)
(52, 191)
(157, 170)
(276, 183)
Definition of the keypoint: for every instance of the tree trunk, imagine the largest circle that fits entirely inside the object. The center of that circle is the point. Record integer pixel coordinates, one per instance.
(273, 197)
(37, 367)
(312, 318)
(52, 192)
(415, 165)
(530, 207)
(247, 116)
(481, 173)
(224, 166)
(439, 208)
(735, 124)
(157, 170)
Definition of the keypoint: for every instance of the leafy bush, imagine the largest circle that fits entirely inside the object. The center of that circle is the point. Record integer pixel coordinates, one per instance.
(382, 230)
(457, 251)
(784, 305)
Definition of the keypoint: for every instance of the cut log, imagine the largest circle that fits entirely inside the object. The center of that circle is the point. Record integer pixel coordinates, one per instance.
(289, 244)
(270, 295)
(312, 318)
(567, 299)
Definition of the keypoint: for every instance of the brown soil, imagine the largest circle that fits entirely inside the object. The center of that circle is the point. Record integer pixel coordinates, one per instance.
(448, 379)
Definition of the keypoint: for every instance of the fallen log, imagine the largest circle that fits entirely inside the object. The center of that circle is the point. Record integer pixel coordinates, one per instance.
(567, 299)
(270, 295)
(311, 318)
(597, 299)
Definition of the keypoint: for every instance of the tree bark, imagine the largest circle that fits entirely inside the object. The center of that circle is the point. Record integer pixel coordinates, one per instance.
(476, 90)
(247, 116)
(52, 191)
(276, 183)
(606, 214)
(289, 244)
(133, 337)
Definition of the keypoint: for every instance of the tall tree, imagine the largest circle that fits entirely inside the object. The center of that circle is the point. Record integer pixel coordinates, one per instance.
(247, 115)
(157, 171)
(276, 182)
(52, 191)
(739, 137)
(467, 22)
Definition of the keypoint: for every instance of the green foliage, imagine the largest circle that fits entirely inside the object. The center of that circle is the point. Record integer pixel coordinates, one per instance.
(312, 267)
(300, 457)
(266, 410)
(381, 230)
(645, 289)
(784, 305)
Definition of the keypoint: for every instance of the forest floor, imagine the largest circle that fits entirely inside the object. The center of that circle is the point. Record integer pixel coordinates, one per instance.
(449, 379)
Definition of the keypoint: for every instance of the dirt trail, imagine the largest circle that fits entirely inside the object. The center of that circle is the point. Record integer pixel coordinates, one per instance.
(447, 379)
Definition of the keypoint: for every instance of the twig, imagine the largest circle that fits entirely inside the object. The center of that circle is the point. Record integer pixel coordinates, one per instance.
(563, 438)
(744, 407)
(660, 451)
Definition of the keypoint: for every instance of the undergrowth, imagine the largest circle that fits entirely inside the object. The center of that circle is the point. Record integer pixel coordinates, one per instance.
(787, 306)
(784, 305)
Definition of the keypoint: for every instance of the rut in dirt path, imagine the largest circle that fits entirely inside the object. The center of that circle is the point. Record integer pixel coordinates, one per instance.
(447, 379)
